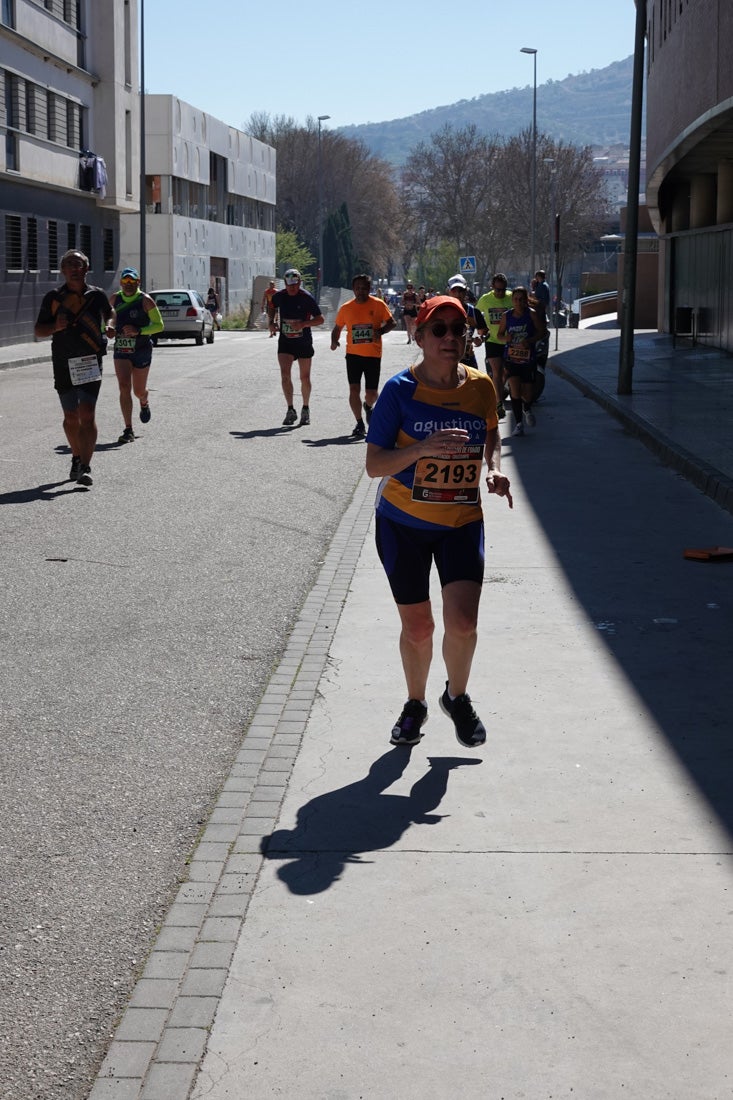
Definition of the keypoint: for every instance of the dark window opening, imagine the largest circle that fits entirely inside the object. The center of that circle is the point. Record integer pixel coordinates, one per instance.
(53, 246)
(32, 244)
(13, 243)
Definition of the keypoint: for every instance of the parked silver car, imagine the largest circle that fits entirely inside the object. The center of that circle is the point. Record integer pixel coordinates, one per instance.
(185, 316)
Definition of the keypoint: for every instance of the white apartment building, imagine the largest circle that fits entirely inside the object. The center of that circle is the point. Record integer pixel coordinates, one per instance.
(69, 85)
(210, 204)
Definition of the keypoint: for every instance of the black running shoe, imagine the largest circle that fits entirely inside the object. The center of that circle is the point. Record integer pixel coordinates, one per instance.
(359, 431)
(75, 468)
(290, 417)
(85, 476)
(407, 730)
(470, 730)
(305, 417)
(368, 412)
(145, 413)
(127, 436)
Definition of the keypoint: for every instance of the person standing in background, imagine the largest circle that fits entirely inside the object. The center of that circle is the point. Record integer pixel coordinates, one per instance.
(409, 310)
(212, 304)
(265, 306)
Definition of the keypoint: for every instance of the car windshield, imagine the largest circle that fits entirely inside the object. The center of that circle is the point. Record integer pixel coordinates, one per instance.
(172, 298)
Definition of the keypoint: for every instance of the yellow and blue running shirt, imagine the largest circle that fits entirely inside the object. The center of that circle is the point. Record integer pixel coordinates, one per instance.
(446, 491)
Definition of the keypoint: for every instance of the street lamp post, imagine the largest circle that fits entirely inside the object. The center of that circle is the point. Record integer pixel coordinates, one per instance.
(143, 239)
(528, 49)
(321, 118)
(631, 244)
(552, 256)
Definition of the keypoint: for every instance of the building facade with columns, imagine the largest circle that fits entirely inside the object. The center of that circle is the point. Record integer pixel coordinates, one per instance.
(690, 161)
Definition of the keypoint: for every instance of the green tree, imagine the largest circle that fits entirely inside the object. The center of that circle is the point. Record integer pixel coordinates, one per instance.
(568, 184)
(449, 186)
(435, 265)
(351, 177)
(338, 252)
(291, 252)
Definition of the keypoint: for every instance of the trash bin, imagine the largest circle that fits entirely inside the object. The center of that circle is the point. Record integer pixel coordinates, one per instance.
(683, 321)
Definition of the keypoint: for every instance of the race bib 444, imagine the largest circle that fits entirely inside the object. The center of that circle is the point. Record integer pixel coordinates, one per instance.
(362, 334)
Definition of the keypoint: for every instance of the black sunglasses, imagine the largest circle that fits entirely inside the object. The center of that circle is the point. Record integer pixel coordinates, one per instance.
(439, 329)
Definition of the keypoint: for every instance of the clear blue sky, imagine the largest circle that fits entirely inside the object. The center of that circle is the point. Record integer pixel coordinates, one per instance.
(362, 62)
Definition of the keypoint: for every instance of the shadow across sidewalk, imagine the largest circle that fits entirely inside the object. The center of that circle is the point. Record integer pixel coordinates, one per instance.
(335, 828)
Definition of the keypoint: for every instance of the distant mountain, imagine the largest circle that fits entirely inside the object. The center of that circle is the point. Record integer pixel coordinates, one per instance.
(592, 108)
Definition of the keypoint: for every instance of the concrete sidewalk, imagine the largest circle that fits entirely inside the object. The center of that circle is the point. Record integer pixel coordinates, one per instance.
(23, 355)
(682, 401)
(547, 917)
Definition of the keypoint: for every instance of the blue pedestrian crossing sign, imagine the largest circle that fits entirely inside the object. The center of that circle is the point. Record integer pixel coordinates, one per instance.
(467, 265)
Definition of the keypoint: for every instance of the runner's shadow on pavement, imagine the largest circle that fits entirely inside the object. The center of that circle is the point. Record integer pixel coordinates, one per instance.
(336, 439)
(42, 492)
(335, 828)
(264, 433)
(65, 449)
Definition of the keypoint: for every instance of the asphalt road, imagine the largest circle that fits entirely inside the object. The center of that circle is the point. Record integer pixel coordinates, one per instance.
(141, 619)
(140, 622)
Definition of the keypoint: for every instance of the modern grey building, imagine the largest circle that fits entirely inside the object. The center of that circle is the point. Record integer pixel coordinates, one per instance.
(210, 204)
(70, 174)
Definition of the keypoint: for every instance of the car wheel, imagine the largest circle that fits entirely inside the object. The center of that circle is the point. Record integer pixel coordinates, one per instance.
(200, 337)
(210, 337)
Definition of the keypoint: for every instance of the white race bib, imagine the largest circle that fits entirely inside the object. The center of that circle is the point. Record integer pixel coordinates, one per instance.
(452, 479)
(362, 334)
(83, 369)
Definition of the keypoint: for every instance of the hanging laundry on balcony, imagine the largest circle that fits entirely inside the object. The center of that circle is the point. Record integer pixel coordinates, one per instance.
(92, 173)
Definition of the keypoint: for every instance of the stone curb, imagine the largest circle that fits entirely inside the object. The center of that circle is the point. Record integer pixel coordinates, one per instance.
(27, 360)
(161, 1039)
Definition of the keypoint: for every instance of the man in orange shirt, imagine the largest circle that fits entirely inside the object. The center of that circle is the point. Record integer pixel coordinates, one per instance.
(366, 320)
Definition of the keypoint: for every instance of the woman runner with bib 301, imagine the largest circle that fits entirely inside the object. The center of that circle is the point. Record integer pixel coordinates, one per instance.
(138, 320)
(430, 431)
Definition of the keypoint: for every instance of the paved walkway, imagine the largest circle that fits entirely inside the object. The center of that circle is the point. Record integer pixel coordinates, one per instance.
(549, 917)
(682, 404)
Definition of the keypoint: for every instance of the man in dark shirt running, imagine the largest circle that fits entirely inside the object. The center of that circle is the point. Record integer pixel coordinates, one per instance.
(299, 313)
(78, 318)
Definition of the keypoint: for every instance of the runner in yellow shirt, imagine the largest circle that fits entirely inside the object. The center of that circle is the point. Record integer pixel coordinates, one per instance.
(494, 304)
